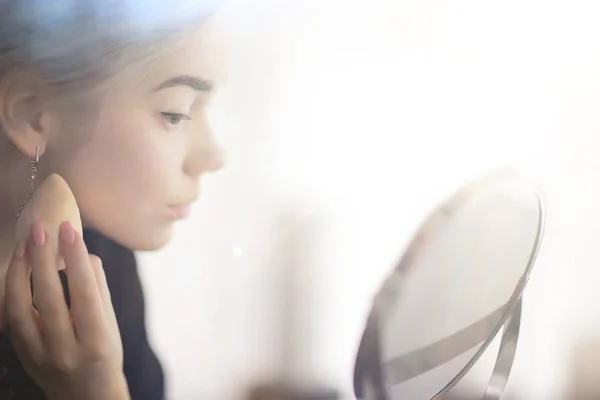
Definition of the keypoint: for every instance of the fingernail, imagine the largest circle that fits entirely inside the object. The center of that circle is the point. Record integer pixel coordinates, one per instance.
(21, 248)
(67, 233)
(38, 234)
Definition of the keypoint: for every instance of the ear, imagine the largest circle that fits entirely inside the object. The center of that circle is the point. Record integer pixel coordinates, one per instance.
(25, 114)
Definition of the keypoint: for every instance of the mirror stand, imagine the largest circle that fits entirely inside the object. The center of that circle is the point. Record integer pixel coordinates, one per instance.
(504, 359)
(368, 377)
(506, 354)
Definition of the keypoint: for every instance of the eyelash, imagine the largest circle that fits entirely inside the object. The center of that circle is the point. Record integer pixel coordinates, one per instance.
(177, 116)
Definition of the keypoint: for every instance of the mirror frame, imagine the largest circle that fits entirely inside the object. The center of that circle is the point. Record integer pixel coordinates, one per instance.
(368, 375)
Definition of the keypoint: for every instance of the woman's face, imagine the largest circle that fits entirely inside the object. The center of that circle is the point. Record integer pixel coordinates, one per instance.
(140, 167)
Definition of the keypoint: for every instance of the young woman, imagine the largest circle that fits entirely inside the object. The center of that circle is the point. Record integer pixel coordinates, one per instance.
(111, 95)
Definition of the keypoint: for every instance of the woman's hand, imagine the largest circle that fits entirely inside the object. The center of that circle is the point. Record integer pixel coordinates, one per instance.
(71, 353)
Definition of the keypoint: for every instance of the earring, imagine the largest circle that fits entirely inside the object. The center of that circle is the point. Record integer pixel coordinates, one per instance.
(33, 163)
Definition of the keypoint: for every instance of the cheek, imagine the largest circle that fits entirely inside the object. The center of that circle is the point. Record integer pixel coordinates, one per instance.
(125, 174)
(122, 171)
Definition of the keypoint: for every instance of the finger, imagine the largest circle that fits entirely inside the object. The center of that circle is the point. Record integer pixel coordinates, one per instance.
(104, 291)
(100, 277)
(57, 328)
(87, 308)
(20, 313)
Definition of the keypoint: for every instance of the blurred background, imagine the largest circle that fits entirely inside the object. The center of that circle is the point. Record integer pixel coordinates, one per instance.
(345, 122)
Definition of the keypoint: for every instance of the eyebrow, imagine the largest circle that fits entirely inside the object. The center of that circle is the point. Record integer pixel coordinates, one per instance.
(199, 84)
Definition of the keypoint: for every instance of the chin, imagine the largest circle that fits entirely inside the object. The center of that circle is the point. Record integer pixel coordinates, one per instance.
(153, 243)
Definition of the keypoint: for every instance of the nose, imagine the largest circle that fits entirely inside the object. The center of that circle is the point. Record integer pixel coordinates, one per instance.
(207, 157)
(217, 159)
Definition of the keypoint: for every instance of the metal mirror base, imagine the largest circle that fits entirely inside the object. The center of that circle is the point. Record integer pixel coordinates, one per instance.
(369, 380)
(506, 355)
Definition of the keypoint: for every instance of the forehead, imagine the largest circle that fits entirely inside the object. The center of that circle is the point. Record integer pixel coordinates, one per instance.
(202, 53)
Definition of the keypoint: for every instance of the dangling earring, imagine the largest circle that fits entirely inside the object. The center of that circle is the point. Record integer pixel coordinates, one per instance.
(33, 162)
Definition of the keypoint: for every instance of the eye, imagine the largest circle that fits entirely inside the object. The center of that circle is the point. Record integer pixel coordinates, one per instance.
(175, 118)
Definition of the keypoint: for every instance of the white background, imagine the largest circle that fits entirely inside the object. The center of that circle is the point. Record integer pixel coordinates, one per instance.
(345, 122)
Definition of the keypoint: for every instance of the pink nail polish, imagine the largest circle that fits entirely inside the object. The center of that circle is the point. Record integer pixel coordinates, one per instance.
(67, 233)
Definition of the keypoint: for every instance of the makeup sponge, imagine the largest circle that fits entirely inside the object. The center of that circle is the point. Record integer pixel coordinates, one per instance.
(52, 203)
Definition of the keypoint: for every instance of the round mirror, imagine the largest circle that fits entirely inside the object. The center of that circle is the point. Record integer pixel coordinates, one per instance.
(457, 286)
